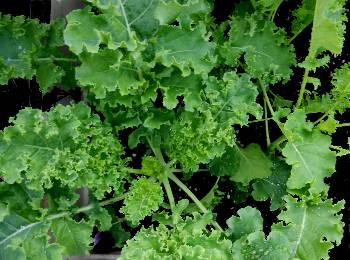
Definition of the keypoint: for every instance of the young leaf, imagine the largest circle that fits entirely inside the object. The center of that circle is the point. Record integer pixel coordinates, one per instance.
(143, 198)
(249, 221)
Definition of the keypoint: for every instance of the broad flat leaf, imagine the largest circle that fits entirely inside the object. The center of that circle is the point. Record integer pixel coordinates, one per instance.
(308, 152)
(249, 220)
(106, 72)
(273, 187)
(186, 49)
(176, 85)
(312, 227)
(265, 47)
(48, 74)
(85, 30)
(137, 15)
(75, 237)
(158, 117)
(232, 99)
(328, 27)
(169, 11)
(303, 16)
(21, 239)
(255, 246)
(143, 198)
(242, 165)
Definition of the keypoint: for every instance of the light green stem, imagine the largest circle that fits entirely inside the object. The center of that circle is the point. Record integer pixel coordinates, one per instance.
(302, 88)
(192, 196)
(169, 194)
(267, 133)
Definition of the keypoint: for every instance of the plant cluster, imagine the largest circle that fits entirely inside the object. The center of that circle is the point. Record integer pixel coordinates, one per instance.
(170, 78)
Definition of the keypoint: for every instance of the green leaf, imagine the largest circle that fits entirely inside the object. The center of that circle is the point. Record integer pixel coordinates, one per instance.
(88, 31)
(328, 27)
(312, 227)
(273, 187)
(249, 220)
(176, 85)
(169, 11)
(143, 198)
(307, 151)
(74, 236)
(242, 165)
(106, 72)
(185, 49)
(266, 50)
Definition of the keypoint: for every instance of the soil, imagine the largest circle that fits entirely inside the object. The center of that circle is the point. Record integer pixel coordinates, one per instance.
(24, 93)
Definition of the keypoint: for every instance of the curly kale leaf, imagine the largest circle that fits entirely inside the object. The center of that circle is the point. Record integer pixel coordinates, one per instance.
(189, 239)
(195, 138)
(67, 144)
(143, 198)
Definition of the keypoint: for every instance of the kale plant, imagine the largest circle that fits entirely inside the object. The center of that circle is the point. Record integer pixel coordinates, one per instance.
(167, 77)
